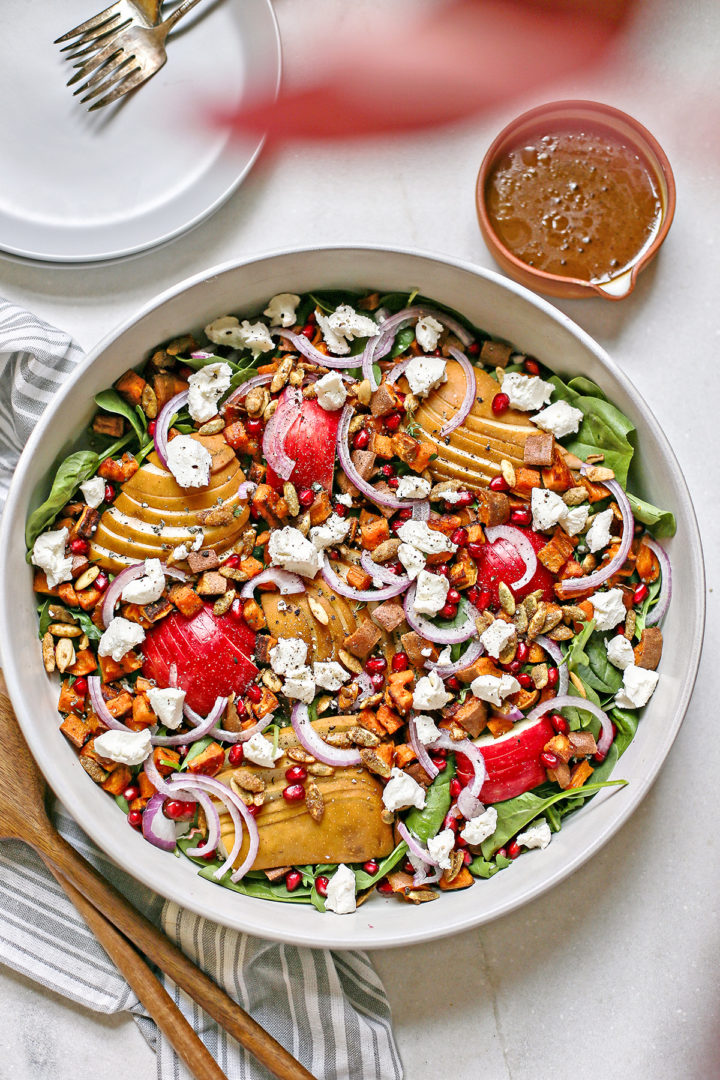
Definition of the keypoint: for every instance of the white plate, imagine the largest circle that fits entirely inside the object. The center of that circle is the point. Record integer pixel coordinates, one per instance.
(506, 310)
(86, 187)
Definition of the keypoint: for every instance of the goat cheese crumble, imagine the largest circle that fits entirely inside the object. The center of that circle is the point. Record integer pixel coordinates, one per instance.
(206, 387)
(49, 554)
(127, 747)
(401, 791)
(281, 309)
(424, 373)
(340, 896)
(121, 636)
(189, 462)
(526, 392)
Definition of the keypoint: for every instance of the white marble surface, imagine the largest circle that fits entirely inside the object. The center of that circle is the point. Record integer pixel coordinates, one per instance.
(613, 973)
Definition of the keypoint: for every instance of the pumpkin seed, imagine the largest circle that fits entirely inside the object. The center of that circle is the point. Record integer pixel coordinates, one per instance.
(64, 654)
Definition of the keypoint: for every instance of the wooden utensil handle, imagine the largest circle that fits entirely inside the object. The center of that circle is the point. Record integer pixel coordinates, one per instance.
(155, 945)
(149, 990)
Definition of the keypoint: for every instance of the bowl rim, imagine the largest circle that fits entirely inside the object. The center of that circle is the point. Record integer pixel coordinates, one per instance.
(572, 286)
(273, 929)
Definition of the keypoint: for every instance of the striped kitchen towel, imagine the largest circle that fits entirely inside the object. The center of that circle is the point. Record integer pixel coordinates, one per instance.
(329, 1009)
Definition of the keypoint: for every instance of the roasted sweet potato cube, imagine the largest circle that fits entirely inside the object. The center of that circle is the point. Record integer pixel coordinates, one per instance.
(484, 665)
(209, 761)
(399, 691)
(382, 446)
(463, 880)
(103, 424)
(94, 769)
(499, 725)
(253, 614)
(556, 552)
(558, 477)
(76, 730)
(363, 640)
(403, 755)
(118, 471)
(493, 507)
(358, 578)
(143, 716)
(186, 600)
(416, 647)
(118, 780)
(366, 718)
(389, 719)
(69, 701)
(200, 561)
(131, 386)
(88, 598)
(385, 400)
(120, 705)
(561, 746)
(648, 650)
(211, 584)
(580, 773)
(166, 385)
(268, 703)
(164, 753)
(472, 715)
(560, 774)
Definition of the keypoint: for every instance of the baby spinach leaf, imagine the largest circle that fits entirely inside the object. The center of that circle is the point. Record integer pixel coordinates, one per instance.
(328, 300)
(195, 749)
(649, 602)
(604, 429)
(110, 401)
(249, 886)
(45, 619)
(403, 340)
(123, 803)
(88, 626)
(660, 522)
(75, 469)
(586, 387)
(363, 880)
(426, 823)
(485, 868)
(599, 673)
(576, 651)
(515, 814)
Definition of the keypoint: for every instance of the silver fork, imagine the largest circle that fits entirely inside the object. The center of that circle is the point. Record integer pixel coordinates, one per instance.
(120, 59)
(92, 34)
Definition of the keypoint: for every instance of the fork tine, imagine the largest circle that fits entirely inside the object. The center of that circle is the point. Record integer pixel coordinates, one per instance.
(91, 24)
(110, 52)
(105, 75)
(133, 80)
(86, 46)
(115, 77)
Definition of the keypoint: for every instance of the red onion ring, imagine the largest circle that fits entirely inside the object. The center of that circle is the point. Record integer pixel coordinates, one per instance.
(468, 805)
(351, 472)
(471, 751)
(99, 707)
(158, 780)
(381, 345)
(470, 392)
(303, 346)
(131, 573)
(286, 582)
(474, 649)
(522, 545)
(334, 582)
(204, 724)
(366, 689)
(592, 581)
(315, 745)
(433, 633)
(553, 649)
(241, 736)
(233, 805)
(162, 424)
(250, 384)
(245, 490)
(414, 846)
(213, 823)
(377, 571)
(156, 828)
(420, 752)
(657, 613)
(201, 355)
(395, 372)
(277, 427)
(567, 701)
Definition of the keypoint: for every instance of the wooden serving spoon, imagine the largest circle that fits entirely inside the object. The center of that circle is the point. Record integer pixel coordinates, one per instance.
(23, 817)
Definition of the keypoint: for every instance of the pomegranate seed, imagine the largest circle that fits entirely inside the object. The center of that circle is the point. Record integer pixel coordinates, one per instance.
(453, 596)
(521, 516)
(254, 427)
(473, 349)
(292, 880)
(548, 759)
(311, 319)
(296, 774)
(475, 550)
(552, 676)
(321, 885)
(467, 858)
(408, 867)
(236, 611)
(252, 809)
(400, 662)
(448, 611)
(452, 683)
(255, 513)
(523, 651)
(179, 811)
(109, 493)
(79, 546)
(501, 853)
(641, 593)
(473, 594)
(395, 568)
(209, 856)
(500, 404)
(393, 421)
(378, 681)
(525, 681)
(294, 793)
(370, 867)
(232, 561)
(559, 723)
(405, 514)
(514, 666)
(464, 499)
(513, 849)
(440, 753)
(308, 331)
(443, 570)
(459, 537)
(387, 470)
(394, 482)
(362, 439)
(101, 582)
(152, 428)
(498, 483)
(599, 757)
(531, 365)
(254, 693)
(385, 887)
(80, 686)
(340, 509)
(236, 754)
(484, 601)
(306, 496)
(135, 819)
(132, 791)
(460, 841)
(455, 787)
(376, 665)
(450, 822)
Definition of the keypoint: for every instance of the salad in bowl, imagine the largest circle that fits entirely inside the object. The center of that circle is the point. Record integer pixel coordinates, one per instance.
(350, 597)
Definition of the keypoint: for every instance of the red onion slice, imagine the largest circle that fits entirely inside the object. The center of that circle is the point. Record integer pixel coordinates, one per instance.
(553, 649)
(277, 427)
(592, 581)
(245, 734)
(428, 630)
(399, 369)
(238, 812)
(420, 752)
(414, 845)
(470, 392)
(159, 783)
(203, 726)
(567, 701)
(468, 805)
(250, 384)
(351, 472)
(333, 581)
(303, 346)
(473, 651)
(162, 424)
(522, 545)
(315, 745)
(657, 613)
(379, 573)
(286, 582)
(100, 708)
(381, 345)
(471, 751)
(131, 573)
(213, 826)
(421, 510)
(156, 828)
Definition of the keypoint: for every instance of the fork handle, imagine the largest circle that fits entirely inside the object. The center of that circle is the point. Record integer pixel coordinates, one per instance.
(179, 13)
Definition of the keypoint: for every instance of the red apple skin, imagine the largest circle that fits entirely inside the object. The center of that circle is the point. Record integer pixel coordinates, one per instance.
(512, 761)
(211, 654)
(500, 561)
(310, 441)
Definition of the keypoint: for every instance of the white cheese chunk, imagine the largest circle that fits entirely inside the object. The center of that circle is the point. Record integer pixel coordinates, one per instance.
(205, 390)
(341, 891)
(638, 687)
(620, 652)
(281, 309)
(49, 554)
(498, 634)
(121, 636)
(420, 536)
(167, 705)
(300, 684)
(430, 593)
(93, 491)
(481, 827)
(401, 791)
(329, 675)
(331, 392)
(608, 608)
(526, 392)
(332, 532)
(426, 729)
(288, 655)
(344, 500)
(559, 419)
(229, 331)
(440, 846)
(574, 519)
(260, 751)
(424, 373)
(147, 589)
(427, 333)
(343, 326)
(189, 462)
(294, 552)
(412, 559)
(430, 693)
(547, 507)
(494, 688)
(598, 535)
(537, 835)
(127, 747)
(412, 487)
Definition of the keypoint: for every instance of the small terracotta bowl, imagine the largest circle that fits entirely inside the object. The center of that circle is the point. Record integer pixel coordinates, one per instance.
(544, 119)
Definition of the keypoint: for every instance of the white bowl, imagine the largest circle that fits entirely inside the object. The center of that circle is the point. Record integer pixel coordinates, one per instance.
(504, 309)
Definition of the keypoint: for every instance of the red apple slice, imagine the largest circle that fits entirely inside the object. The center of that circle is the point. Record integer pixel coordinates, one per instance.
(512, 760)
(500, 561)
(310, 442)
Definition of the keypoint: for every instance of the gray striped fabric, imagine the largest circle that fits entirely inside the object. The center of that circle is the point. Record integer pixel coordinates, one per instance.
(329, 1009)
